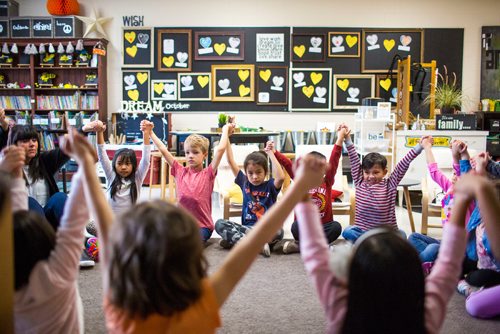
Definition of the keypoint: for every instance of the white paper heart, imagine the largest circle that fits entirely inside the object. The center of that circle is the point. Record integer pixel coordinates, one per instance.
(143, 38)
(353, 92)
(298, 77)
(169, 88)
(405, 40)
(394, 92)
(337, 40)
(234, 42)
(278, 81)
(186, 81)
(320, 91)
(182, 57)
(129, 80)
(223, 83)
(316, 41)
(372, 39)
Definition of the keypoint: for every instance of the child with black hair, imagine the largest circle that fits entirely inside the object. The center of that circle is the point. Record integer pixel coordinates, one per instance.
(382, 274)
(123, 177)
(46, 262)
(375, 194)
(259, 195)
(154, 272)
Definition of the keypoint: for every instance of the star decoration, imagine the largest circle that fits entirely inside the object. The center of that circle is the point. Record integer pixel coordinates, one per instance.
(124, 115)
(149, 115)
(95, 24)
(134, 115)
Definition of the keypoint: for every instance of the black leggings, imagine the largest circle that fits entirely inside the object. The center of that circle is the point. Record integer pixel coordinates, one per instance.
(332, 231)
(483, 278)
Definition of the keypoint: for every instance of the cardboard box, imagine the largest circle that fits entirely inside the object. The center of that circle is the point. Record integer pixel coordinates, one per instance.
(41, 27)
(9, 8)
(20, 27)
(67, 27)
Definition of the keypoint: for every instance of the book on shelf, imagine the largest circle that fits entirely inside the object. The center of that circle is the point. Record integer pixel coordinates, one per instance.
(75, 101)
(56, 120)
(15, 102)
(41, 122)
(23, 117)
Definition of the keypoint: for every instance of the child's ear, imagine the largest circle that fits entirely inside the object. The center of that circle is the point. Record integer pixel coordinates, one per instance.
(385, 171)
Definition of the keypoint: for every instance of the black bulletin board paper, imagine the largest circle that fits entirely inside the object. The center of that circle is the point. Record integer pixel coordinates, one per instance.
(233, 83)
(272, 85)
(219, 45)
(379, 47)
(135, 85)
(386, 88)
(350, 90)
(194, 86)
(137, 47)
(174, 51)
(310, 89)
(129, 124)
(308, 47)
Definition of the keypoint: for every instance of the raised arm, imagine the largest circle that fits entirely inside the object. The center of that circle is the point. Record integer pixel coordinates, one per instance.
(309, 175)
(12, 161)
(356, 170)
(278, 174)
(403, 165)
(221, 147)
(230, 159)
(143, 167)
(282, 159)
(147, 126)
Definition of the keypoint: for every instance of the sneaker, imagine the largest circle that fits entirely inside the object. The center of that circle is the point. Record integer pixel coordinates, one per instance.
(266, 251)
(85, 261)
(225, 244)
(464, 288)
(427, 267)
(290, 247)
(91, 228)
(92, 248)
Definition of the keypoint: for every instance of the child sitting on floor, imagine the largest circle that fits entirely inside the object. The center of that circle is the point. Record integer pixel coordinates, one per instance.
(259, 195)
(154, 272)
(375, 194)
(194, 184)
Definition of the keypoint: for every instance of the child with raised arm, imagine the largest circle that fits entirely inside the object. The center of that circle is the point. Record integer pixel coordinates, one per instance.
(46, 262)
(194, 184)
(321, 196)
(259, 195)
(375, 194)
(154, 272)
(123, 177)
(383, 274)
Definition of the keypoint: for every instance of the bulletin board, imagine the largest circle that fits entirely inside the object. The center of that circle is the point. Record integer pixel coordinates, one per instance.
(386, 88)
(135, 85)
(272, 85)
(137, 47)
(350, 90)
(308, 48)
(129, 124)
(195, 86)
(233, 83)
(310, 89)
(173, 50)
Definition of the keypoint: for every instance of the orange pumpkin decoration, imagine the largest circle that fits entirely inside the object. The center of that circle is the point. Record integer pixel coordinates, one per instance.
(63, 7)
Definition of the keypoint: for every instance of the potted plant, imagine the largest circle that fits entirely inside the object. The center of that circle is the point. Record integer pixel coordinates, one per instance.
(448, 96)
(222, 119)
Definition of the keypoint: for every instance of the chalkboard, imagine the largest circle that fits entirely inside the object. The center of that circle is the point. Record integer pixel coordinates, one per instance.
(343, 44)
(129, 124)
(310, 89)
(164, 90)
(387, 88)
(4, 28)
(137, 47)
(194, 86)
(381, 46)
(41, 27)
(233, 82)
(350, 90)
(20, 27)
(219, 45)
(135, 85)
(174, 50)
(308, 48)
(272, 85)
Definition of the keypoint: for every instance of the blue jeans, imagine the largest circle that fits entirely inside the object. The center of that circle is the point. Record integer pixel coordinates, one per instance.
(426, 247)
(205, 233)
(233, 232)
(53, 210)
(352, 233)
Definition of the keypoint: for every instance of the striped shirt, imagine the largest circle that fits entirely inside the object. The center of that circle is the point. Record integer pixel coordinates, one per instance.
(375, 203)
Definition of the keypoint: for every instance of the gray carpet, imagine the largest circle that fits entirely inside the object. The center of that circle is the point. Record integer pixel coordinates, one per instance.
(274, 297)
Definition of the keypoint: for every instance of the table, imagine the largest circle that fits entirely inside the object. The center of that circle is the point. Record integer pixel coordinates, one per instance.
(236, 138)
(405, 184)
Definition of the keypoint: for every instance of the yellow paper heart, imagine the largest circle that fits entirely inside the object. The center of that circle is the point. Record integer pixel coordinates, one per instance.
(265, 75)
(351, 40)
(220, 48)
(130, 36)
(343, 84)
(389, 44)
(316, 77)
(299, 50)
(386, 84)
(202, 80)
(168, 61)
(142, 77)
(243, 75)
(133, 94)
(308, 91)
(158, 87)
(131, 51)
(244, 90)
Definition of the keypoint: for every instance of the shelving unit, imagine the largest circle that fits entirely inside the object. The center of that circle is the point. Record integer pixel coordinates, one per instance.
(375, 135)
(76, 75)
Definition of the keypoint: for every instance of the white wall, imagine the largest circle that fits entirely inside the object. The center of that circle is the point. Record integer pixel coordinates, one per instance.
(467, 14)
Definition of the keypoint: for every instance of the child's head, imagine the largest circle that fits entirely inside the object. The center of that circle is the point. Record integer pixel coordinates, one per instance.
(34, 239)
(124, 165)
(156, 260)
(256, 167)
(385, 273)
(27, 137)
(374, 167)
(195, 149)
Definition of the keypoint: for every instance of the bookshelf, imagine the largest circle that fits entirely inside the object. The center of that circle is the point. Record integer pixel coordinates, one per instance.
(69, 89)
